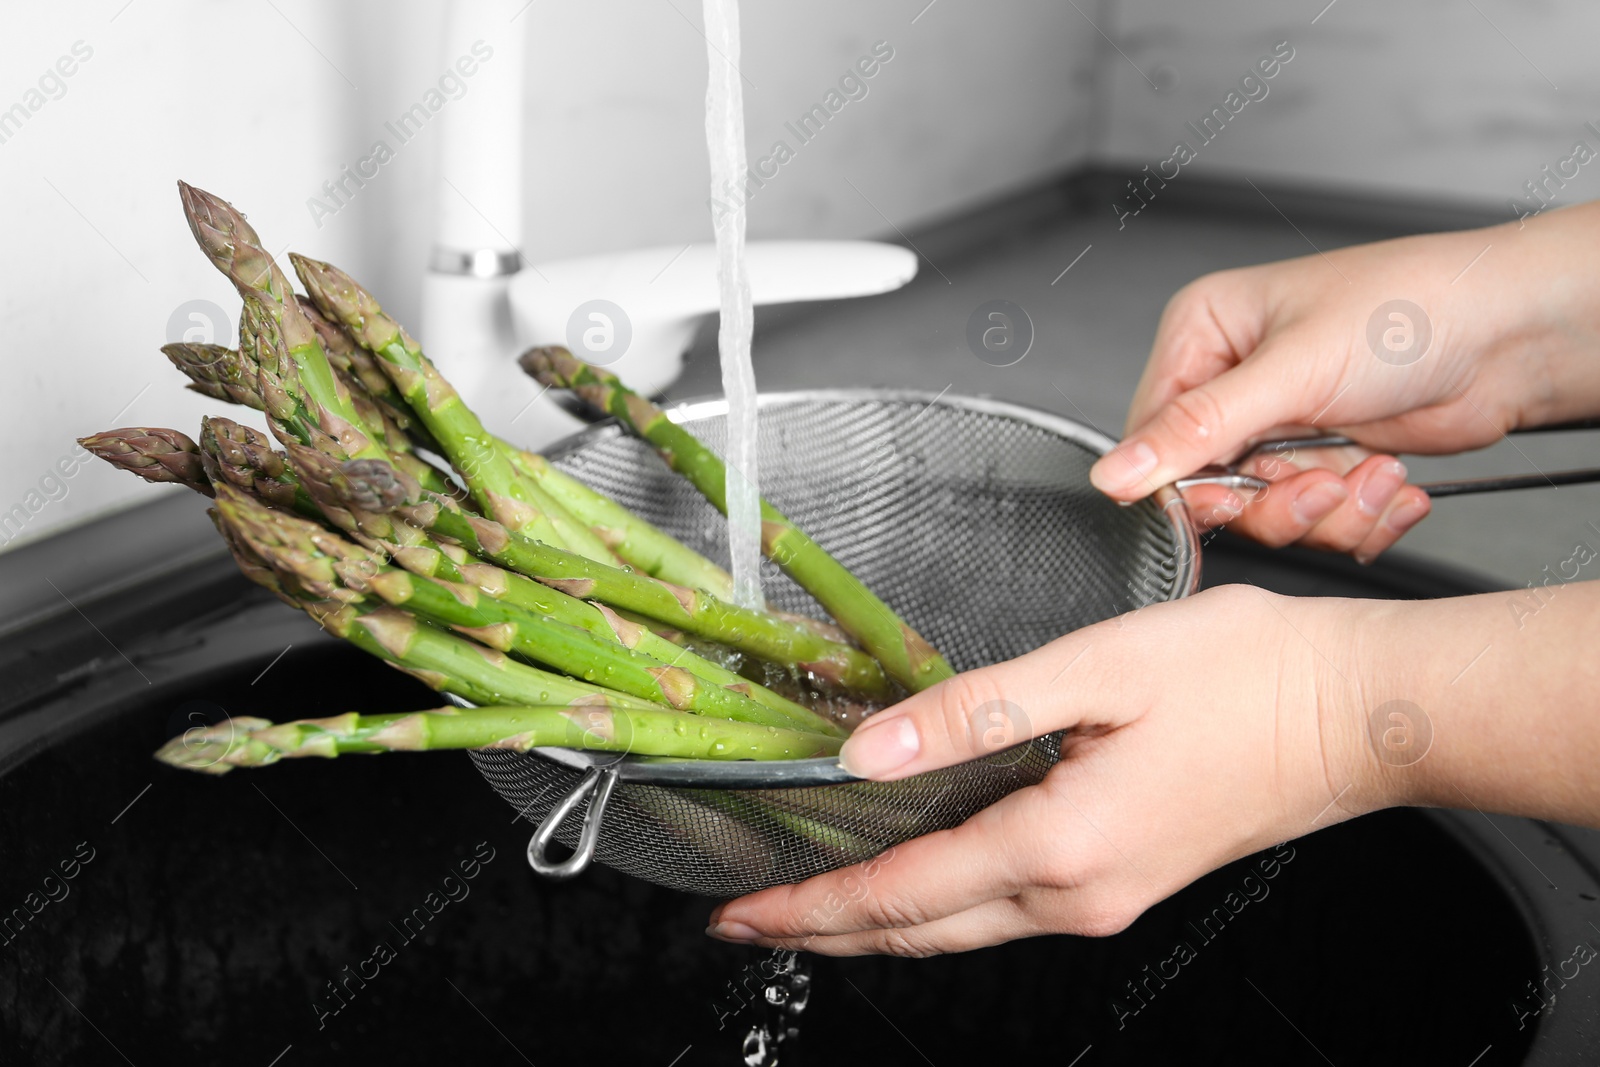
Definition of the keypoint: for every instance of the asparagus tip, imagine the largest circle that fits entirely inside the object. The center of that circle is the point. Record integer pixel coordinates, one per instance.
(156, 454)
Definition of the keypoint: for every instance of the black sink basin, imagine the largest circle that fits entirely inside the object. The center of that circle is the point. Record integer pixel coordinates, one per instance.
(238, 919)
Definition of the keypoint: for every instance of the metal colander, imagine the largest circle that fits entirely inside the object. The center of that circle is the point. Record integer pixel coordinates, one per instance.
(973, 518)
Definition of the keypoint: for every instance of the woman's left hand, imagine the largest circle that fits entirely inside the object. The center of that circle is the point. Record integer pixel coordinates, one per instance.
(1199, 732)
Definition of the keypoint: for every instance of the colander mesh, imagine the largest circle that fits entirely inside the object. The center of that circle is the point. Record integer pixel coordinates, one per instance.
(974, 520)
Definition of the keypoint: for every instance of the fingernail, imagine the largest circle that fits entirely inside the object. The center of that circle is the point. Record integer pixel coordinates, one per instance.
(1317, 502)
(1123, 467)
(1380, 487)
(733, 931)
(876, 750)
(1406, 515)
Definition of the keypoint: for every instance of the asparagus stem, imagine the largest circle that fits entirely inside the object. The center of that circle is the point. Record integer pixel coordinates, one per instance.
(441, 660)
(571, 650)
(499, 488)
(634, 540)
(361, 370)
(298, 416)
(358, 481)
(383, 412)
(154, 454)
(254, 742)
(755, 632)
(904, 653)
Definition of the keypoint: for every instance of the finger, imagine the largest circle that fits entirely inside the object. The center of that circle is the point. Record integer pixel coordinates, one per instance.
(1202, 425)
(1373, 485)
(988, 710)
(990, 923)
(1190, 347)
(1288, 509)
(1409, 507)
(1215, 505)
(923, 880)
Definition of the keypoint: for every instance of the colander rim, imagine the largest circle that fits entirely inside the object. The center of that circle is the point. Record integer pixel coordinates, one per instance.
(784, 774)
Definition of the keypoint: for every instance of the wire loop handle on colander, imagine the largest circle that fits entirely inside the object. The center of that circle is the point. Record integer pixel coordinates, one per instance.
(597, 784)
(1230, 477)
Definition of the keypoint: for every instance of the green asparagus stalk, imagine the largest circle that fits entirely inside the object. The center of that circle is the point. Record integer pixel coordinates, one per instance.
(236, 250)
(575, 651)
(298, 416)
(235, 376)
(245, 459)
(383, 412)
(254, 742)
(441, 660)
(342, 566)
(354, 483)
(641, 545)
(154, 454)
(252, 567)
(904, 653)
(363, 375)
(499, 488)
(755, 632)
(634, 540)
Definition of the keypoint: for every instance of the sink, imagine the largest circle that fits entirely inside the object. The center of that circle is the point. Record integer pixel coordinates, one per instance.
(236, 919)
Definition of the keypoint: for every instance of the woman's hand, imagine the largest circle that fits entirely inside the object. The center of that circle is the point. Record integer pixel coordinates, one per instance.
(1427, 345)
(1182, 755)
(1202, 731)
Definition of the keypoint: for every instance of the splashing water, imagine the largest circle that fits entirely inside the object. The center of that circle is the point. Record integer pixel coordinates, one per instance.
(725, 142)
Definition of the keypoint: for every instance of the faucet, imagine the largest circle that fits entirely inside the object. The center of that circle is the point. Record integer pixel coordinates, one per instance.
(634, 312)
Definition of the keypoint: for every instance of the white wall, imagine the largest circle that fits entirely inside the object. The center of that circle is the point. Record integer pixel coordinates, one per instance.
(262, 103)
(1430, 98)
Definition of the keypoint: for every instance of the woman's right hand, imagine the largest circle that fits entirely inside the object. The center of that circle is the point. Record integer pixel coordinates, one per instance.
(1430, 344)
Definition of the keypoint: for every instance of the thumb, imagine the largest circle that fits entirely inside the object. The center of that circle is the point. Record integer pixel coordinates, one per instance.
(1199, 426)
(980, 713)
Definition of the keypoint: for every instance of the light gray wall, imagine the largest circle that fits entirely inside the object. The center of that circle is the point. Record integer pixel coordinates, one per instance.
(1461, 100)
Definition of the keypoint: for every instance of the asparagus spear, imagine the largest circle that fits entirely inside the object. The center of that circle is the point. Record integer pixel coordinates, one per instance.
(904, 653)
(363, 374)
(236, 250)
(254, 742)
(643, 546)
(154, 454)
(236, 376)
(383, 411)
(456, 665)
(499, 488)
(441, 660)
(297, 415)
(634, 540)
(218, 372)
(755, 632)
(342, 566)
(245, 459)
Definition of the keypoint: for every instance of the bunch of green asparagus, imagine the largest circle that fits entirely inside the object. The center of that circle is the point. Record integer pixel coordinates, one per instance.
(386, 511)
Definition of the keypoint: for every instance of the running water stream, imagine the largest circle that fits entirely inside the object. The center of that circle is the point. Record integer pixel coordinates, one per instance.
(725, 142)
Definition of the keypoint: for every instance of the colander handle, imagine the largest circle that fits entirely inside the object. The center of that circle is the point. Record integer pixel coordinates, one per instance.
(597, 781)
(1228, 476)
